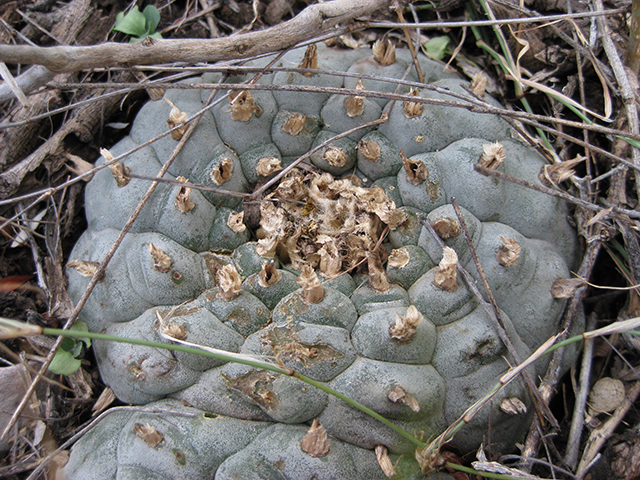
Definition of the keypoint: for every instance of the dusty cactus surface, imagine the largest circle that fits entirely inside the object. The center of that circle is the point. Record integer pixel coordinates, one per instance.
(330, 273)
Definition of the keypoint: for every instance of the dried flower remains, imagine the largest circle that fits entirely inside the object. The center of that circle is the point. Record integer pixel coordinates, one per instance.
(327, 223)
(176, 117)
(354, 104)
(384, 52)
(119, 171)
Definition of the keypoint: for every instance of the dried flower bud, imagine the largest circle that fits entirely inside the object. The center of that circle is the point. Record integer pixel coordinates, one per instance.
(85, 268)
(312, 289)
(400, 395)
(294, 124)
(446, 228)
(509, 252)
(446, 278)
(223, 171)
(416, 169)
(479, 83)
(148, 433)
(354, 104)
(236, 222)
(398, 258)
(386, 465)
(315, 441)
(268, 165)
(229, 282)
(413, 109)
(492, 155)
(269, 275)
(176, 117)
(405, 327)
(161, 261)
(183, 201)
(377, 274)
(384, 52)
(566, 287)
(559, 172)
(513, 406)
(310, 59)
(370, 150)
(335, 156)
(119, 171)
(242, 106)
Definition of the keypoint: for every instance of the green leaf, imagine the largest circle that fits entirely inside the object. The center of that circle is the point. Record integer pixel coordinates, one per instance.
(152, 16)
(437, 47)
(64, 363)
(134, 23)
(82, 327)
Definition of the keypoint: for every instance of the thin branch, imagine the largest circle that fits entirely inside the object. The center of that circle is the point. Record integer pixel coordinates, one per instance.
(312, 21)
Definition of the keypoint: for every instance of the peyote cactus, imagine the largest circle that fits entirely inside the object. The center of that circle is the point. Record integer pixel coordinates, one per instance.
(331, 274)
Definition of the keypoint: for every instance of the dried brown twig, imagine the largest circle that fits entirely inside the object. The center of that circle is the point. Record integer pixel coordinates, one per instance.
(311, 22)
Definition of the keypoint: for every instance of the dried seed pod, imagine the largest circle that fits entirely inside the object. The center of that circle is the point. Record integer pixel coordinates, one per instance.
(384, 52)
(85, 268)
(370, 150)
(268, 165)
(479, 83)
(509, 252)
(161, 261)
(148, 433)
(223, 171)
(310, 59)
(413, 109)
(513, 406)
(386, 465)
(405, 327)
(312, 289)
(183, 201)
(354, 104)
(176, 117)
(335, 156)
(446, 227)
(229, 282)
(269, 275)
(446, 278)
(398, 258)
(400, 395)
(294, 124)
(315, 441)
(416, 169)
(377, 274)
(119, 171)
(243, 106)
(492, 155)
(606, 395)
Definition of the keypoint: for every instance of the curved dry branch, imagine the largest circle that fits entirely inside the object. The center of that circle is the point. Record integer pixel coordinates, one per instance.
(311, 22)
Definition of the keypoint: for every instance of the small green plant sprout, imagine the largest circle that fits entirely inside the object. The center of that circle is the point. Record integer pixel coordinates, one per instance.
(66, 361)
(139, 24)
